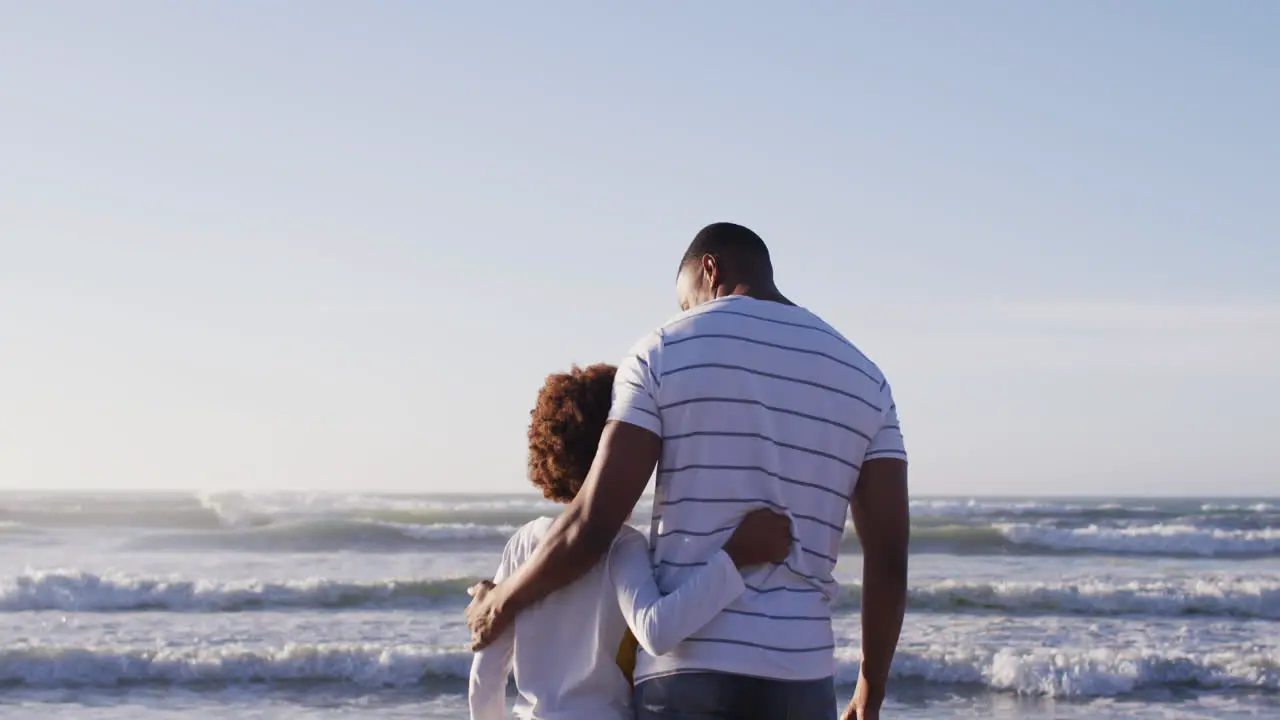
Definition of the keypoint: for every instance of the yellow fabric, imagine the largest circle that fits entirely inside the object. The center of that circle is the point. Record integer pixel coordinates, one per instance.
(627, 656)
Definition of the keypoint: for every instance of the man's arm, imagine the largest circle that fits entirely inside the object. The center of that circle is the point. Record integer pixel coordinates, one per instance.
(581, 535)
(882, 519)
(625, 458)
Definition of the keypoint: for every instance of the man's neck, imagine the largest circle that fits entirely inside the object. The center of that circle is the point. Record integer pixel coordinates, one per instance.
(767, 293)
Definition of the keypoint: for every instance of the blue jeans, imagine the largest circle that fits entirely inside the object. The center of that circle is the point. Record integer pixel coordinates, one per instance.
(717, 696)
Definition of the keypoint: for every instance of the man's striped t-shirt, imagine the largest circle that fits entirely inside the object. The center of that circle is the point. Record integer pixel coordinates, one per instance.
(758, 404)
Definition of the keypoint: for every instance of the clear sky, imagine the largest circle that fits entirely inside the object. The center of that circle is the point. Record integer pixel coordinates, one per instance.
(337, 245)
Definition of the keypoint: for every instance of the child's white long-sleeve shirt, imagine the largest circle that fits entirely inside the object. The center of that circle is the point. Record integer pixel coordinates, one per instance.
(564, 649)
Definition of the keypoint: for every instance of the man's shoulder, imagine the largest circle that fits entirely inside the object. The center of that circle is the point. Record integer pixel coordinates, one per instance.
(848, 351)
(790, 326)
(693, 318)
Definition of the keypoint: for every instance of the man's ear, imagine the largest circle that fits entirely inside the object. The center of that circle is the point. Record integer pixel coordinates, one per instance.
(710, 272)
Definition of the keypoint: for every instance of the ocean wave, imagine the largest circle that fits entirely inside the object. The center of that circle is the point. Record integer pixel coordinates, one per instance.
(137, 516)
(333, 535)
(237, 511)
(246, 509)
(1040, 671)
(1159, 539)
(974, 508)
(74, 591)
(17, 533)
(318, 522)
(1039, 539)
(1210, 597)
(242, 509)
(1226, 516)
(367, 665)
(949, 538)
(1075, 672)
(1258, 507)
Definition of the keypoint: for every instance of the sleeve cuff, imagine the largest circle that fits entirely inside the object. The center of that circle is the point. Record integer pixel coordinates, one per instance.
(638, 417)
(873, 454)
(733, 583)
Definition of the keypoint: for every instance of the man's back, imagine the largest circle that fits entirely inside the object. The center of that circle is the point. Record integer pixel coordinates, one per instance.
(758, 404)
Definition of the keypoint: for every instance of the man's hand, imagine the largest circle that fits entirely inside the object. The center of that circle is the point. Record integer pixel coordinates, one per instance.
(866, 702)
(763, 536)
(481, 588)
(582, 534)
(485, 616)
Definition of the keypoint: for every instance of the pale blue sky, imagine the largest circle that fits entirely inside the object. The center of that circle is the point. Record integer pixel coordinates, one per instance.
(337, 245)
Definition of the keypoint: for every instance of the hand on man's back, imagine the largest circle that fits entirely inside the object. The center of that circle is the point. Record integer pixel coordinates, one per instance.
(763, 536)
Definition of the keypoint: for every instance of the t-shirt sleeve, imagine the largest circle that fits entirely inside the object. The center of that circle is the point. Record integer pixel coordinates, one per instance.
(635, 386)
(491, 667)
(887, 441)
(661, 622)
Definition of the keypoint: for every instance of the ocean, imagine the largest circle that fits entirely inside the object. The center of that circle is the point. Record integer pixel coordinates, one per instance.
(142, 606)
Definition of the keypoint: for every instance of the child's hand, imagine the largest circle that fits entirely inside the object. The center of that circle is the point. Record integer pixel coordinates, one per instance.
(763, 536)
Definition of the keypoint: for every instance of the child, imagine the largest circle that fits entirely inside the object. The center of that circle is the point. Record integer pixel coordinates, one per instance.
(569, 652)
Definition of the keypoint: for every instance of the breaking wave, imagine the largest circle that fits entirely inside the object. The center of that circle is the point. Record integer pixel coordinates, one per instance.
(73, 591)
(1038, 539)
(298, 522)
(326, 535)
(334, 535)
(1160, 539)
(1223, 597)
(1040, 672)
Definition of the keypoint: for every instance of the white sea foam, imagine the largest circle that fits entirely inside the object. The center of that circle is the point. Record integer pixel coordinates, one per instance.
(981, 508)
(1260, 507)
(1037, 671)
(75, 591)
(1158, 539)
(1222, 596)
(975, 508)
(234, 505)
(1078, 672)
(367, 665)
(456, 531)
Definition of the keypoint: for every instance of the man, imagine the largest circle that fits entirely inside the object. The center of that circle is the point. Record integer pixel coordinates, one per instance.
(748, 401)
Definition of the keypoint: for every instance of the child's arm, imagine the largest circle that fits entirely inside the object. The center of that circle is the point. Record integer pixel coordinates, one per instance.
(490, 669)
(491, 666)
(660, 623)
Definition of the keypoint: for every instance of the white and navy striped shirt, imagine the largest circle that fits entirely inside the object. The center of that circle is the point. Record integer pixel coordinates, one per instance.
(758, 404)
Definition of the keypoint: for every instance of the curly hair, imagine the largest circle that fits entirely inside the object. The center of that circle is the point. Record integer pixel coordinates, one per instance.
(565, 428)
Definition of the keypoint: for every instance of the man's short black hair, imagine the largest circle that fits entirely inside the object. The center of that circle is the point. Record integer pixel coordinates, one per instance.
(731, 244)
